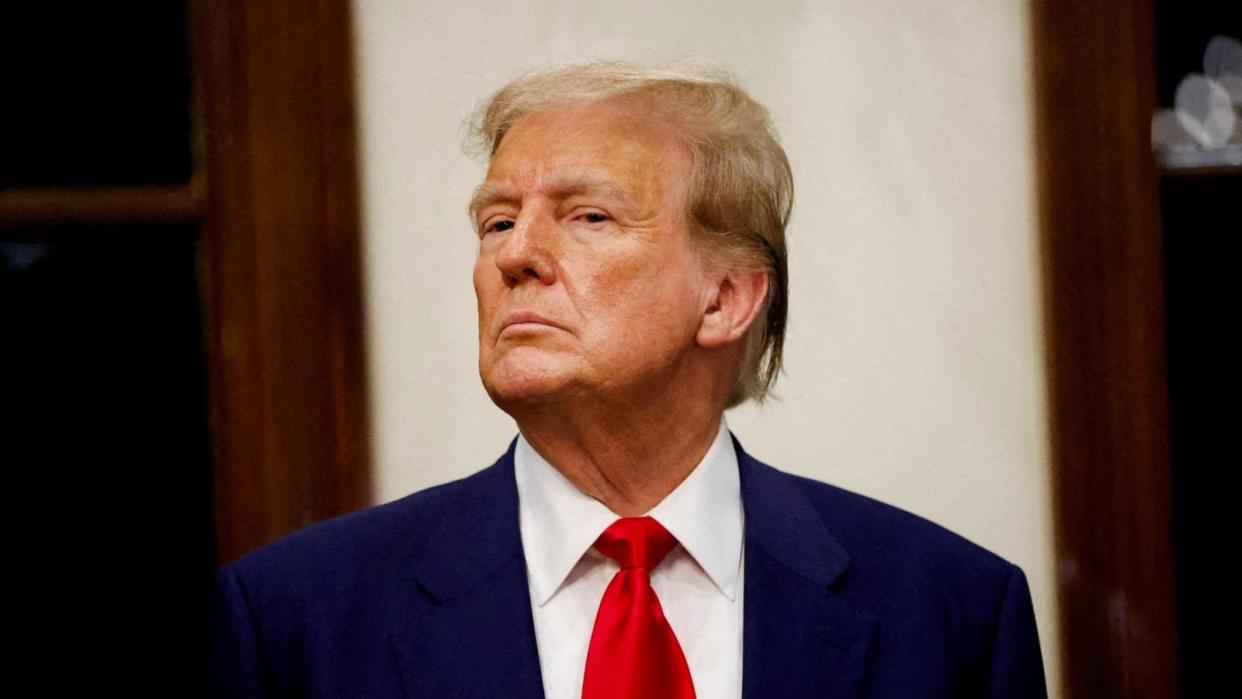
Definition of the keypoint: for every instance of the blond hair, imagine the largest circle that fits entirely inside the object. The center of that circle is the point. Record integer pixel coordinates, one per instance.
(741, 188)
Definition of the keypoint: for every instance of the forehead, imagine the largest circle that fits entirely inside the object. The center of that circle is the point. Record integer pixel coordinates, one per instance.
(595, 144)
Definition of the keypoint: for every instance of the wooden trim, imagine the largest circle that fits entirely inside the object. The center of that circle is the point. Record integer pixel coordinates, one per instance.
(112, 205)
(1102, 258)
(281, 270)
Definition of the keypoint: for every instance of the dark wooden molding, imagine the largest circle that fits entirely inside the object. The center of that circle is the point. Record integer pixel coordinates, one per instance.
(281, 269)
(114, 205)
(1108, 394)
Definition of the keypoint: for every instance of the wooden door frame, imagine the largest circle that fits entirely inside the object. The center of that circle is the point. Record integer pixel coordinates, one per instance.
(281, 271)
(1095, 78)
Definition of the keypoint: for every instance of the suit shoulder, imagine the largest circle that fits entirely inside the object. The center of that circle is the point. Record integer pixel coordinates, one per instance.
(877, 533)
(361, 541)
(911, 570)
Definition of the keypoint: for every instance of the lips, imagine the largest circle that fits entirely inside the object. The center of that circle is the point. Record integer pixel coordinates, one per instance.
(525, 318)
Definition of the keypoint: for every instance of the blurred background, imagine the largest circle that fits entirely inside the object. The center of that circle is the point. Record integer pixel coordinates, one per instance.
(236, 298)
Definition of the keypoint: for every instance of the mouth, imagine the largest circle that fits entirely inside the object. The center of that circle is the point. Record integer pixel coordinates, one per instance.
(525, 320)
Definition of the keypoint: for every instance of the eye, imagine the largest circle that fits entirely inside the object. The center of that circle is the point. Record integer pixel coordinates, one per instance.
(503, 224)
(594, 217)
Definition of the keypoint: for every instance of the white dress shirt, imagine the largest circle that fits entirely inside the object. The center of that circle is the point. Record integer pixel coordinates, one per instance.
(699, 583)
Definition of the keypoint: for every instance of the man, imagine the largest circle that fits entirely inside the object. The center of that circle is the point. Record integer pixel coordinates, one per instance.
(631, 285)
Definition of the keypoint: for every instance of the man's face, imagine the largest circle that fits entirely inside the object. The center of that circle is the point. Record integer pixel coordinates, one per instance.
(588, 283)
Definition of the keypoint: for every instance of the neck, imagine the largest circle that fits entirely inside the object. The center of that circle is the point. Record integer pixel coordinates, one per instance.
(629, 459)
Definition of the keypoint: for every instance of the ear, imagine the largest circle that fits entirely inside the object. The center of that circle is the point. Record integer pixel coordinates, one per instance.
(732, 305)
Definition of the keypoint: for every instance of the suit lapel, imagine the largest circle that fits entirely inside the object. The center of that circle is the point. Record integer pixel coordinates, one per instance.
(799, 637)
(478, 638)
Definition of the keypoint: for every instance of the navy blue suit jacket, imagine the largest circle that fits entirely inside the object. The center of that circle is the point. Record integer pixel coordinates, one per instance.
(427, 597)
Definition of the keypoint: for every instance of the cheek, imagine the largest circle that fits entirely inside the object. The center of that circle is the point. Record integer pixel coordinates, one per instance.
(643, 306)
(484, 287)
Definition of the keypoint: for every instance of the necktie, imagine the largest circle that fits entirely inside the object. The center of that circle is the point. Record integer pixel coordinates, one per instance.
(634, 653)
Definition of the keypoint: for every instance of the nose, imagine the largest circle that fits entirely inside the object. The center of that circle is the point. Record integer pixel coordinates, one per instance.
(525, 253)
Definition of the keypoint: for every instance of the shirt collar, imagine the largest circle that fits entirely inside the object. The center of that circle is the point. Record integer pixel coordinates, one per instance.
(560, 523)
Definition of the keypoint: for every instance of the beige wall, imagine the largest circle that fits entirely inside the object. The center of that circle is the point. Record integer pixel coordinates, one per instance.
(914, 366)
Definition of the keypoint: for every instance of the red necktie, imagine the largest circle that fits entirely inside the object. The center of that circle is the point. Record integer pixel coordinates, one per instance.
(634, 653)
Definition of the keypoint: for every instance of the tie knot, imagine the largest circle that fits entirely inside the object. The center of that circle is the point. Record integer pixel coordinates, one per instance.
(636, 542)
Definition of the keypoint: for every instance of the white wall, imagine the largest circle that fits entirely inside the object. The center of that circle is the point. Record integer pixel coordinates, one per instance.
(914, 355)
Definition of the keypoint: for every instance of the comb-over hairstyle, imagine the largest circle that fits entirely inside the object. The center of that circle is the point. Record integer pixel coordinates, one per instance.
(741, 188)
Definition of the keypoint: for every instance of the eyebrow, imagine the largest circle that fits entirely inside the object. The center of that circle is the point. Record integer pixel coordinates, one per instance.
(488, 193)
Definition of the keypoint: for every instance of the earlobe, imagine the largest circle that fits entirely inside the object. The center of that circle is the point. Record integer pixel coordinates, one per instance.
(733, 306)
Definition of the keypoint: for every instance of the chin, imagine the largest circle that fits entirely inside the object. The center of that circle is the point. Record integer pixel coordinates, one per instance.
(516, 381)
